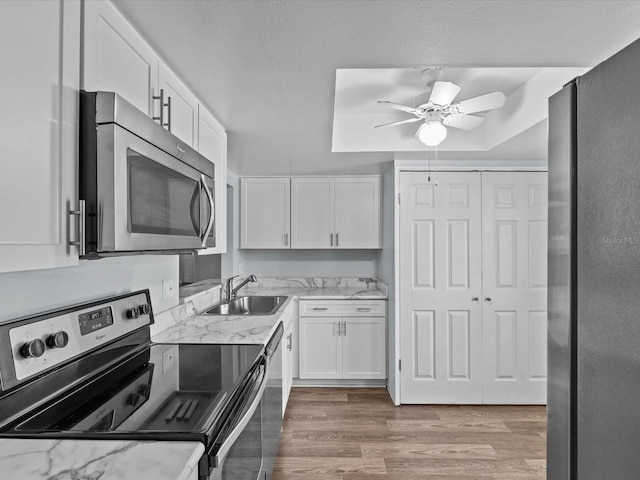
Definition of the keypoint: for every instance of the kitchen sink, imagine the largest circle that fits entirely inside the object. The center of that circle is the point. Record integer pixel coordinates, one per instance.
(252, 305)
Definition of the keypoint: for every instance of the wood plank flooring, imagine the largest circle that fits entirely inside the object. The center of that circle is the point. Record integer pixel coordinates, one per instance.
(358, 434)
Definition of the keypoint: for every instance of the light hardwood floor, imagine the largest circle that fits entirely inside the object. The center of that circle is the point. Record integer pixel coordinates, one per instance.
(358, 434)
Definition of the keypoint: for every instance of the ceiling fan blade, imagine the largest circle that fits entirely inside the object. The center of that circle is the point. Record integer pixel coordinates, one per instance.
(465, 122)
(443, 93)
(397, 106)
(411, 120)
(482, 103)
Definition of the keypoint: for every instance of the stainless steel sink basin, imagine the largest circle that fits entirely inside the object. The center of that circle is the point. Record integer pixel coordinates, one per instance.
(255, 305)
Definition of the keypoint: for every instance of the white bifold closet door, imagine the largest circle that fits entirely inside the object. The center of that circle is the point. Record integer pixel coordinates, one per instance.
(473, 287)
(440, 290)
(514, 287)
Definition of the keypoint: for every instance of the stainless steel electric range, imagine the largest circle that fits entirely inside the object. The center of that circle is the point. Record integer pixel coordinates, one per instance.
(90, 371)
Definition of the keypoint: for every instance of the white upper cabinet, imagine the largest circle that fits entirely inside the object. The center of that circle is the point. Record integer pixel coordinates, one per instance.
(117, 59)
(338, 212)
(312, 212)
(212, 143)
(358, 210)
(265, 212)
(180, 107)
(39, 133)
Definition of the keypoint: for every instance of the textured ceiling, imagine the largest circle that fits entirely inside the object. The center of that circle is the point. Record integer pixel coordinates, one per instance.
(267, 69)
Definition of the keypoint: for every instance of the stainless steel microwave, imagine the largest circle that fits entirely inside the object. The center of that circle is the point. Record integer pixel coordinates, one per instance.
(142, 190)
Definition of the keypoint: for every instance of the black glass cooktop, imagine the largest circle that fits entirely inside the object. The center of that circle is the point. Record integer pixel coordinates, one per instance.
(179, 391)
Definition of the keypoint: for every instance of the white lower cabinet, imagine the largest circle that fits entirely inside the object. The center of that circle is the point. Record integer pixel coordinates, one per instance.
(342, 340)
(287, 365)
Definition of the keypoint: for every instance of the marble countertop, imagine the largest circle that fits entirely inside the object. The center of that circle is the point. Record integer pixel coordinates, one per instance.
(255, 329)
(26, 459)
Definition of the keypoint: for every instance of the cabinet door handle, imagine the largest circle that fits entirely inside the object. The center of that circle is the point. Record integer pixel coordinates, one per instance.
(363, 309)
(336, 239)
(339, 328)
(475, 299)
(161, 98)
(289, 341)
(80, 243)
(331, 239)
(286, 239)
(344, 324)
(168, 105)
(320, 308)
(488, 299)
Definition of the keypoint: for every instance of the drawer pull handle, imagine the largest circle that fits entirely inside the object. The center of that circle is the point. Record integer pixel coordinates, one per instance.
(363, 309)
(320, 308)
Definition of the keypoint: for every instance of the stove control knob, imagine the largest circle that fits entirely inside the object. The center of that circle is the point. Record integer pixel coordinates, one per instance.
(133, 313)
(144, 309)
(134, 399)
(58, 340)
(144, 390)
(33, 349)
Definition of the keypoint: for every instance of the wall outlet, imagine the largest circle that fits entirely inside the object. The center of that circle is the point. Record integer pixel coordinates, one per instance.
(167, 288)
(168, 359)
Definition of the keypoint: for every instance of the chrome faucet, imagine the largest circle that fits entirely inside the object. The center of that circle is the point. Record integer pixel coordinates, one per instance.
(232, 293)
(227, 287)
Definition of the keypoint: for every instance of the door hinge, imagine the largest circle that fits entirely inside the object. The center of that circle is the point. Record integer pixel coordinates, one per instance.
(399, 365)
(398, 198)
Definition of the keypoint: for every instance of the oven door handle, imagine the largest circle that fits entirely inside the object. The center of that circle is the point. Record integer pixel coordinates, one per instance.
(246, 418)
(212, 217)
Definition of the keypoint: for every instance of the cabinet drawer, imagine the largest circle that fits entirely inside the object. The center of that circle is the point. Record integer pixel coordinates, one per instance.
(342, 308)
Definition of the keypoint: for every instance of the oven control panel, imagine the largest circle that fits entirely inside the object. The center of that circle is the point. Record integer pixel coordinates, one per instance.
(45, 342)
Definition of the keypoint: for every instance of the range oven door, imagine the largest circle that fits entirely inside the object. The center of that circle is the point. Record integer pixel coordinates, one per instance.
(146, 198)
(238, 453)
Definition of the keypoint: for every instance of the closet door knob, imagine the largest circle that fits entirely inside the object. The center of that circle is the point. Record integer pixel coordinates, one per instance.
(475, 299)
(488, 299)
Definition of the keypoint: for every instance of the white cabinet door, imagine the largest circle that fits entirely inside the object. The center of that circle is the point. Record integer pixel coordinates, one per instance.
(312, 207)
(440, 288)
(264, 212)
(320, 348)
(117, 59)
(357, 212)
(40, 51)
(514, 244)
(287, 365)
(181, 111)
(212, 143)
(363, 348)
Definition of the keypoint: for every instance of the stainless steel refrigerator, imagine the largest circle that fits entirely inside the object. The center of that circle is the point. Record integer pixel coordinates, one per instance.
(593, 408)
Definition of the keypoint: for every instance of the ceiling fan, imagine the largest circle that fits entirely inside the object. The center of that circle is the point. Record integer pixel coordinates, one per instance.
(438, 111)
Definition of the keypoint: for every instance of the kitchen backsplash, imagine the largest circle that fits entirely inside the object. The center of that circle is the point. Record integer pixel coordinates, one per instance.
(320, 282)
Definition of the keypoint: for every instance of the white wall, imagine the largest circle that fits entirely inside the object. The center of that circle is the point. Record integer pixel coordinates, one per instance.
(235, 266)
(310, 263)
(24, 293)
(385, 269)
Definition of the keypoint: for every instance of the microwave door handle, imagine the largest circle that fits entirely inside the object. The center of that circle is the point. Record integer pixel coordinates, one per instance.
(195, 203)
(212, 217)
(246, 418)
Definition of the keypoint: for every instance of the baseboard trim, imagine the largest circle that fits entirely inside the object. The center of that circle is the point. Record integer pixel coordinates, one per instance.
(303, 382)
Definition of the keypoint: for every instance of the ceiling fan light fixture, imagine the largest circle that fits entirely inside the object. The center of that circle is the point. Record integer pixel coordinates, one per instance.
(432, 133)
